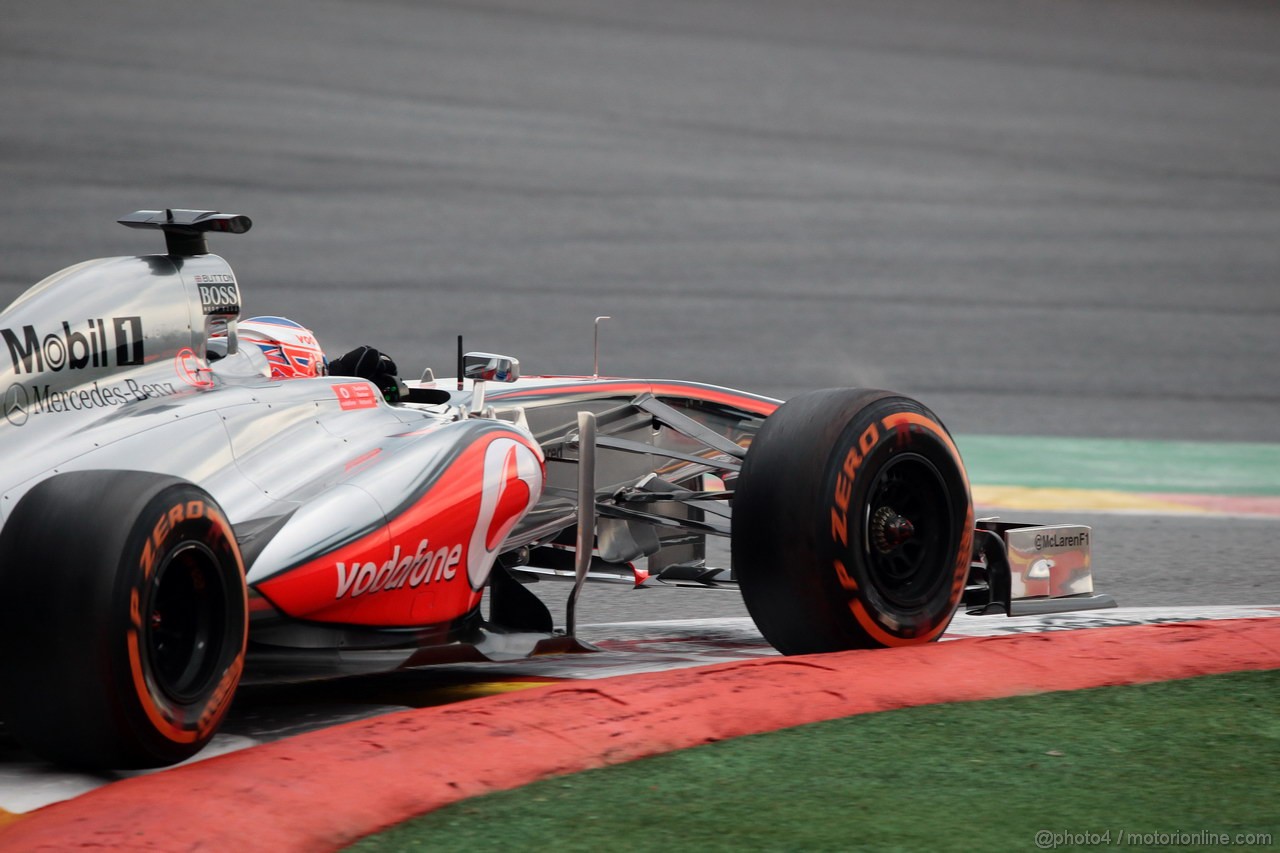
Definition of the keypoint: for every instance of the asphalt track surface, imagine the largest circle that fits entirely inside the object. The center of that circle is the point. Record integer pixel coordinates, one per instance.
(1041, 218)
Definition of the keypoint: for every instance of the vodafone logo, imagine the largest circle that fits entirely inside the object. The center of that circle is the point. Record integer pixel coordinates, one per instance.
(355, 395)
(512, 485)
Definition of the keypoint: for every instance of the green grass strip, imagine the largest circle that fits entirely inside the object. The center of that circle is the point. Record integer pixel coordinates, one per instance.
(1178, 758)
(1123, 465)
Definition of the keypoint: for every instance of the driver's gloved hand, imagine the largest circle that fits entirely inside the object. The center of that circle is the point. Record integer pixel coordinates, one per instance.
(368, 363)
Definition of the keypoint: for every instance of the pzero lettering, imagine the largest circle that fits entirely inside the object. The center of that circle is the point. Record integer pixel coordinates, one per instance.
(844, 483)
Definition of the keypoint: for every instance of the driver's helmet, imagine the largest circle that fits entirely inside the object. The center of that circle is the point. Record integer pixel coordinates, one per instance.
(291, 349)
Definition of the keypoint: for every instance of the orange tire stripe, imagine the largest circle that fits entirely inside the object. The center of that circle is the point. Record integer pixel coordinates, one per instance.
(959, 571)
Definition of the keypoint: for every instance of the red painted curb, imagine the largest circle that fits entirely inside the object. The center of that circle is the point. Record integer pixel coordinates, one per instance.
(322, 790)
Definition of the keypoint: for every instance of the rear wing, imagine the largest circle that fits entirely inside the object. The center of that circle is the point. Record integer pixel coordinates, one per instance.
(184, 230)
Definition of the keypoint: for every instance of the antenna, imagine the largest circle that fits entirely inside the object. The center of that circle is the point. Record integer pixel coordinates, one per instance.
(595, 364)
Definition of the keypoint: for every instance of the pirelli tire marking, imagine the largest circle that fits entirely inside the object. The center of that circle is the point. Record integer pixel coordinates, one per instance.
(198, 717)
(890, 628)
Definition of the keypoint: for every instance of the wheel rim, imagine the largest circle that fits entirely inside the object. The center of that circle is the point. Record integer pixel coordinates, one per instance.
(908, 530)
(186, 622)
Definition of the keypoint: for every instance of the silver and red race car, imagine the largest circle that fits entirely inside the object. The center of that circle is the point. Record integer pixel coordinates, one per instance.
(174, 520)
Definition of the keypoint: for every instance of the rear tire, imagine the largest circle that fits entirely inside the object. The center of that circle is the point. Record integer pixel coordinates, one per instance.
(123, 619)
(852, 523)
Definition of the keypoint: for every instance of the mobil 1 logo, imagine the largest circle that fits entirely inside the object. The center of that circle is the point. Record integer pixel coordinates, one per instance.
(98, 342)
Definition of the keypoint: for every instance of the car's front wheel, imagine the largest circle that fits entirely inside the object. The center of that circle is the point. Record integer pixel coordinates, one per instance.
(852, 523)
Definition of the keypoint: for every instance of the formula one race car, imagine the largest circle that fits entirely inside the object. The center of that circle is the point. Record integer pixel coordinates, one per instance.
(174, 519)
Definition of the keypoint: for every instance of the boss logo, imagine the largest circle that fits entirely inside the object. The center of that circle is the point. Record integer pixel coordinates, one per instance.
(219, 294)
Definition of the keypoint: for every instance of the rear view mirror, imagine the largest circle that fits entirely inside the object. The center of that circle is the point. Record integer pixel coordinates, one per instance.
(488, 367)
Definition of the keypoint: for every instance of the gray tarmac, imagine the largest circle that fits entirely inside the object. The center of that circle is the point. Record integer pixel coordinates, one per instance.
(1043, 218)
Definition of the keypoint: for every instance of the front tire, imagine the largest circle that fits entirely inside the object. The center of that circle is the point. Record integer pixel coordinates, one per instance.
(124, 619)
(852, 523)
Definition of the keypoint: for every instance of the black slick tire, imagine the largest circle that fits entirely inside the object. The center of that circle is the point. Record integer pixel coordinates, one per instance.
(852, 523)
(123, 619)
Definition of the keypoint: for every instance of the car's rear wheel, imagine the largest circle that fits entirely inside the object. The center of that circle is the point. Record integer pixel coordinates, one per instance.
(124, 617)
(852, 523)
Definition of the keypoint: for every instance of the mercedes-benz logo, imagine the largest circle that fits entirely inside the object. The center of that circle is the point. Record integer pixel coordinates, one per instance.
(16, 401)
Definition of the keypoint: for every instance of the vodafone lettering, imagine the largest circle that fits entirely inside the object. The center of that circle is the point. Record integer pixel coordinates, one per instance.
(414, 570)
(512, 483)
